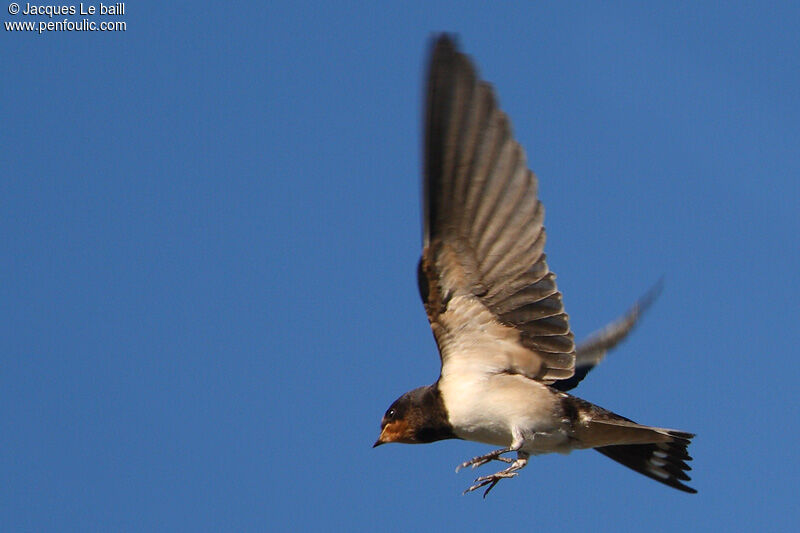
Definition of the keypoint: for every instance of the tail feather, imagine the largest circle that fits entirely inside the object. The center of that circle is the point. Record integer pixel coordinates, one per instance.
(664, 462)
(658, 453)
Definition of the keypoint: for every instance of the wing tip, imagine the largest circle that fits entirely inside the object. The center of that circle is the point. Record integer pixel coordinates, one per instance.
(444, 43)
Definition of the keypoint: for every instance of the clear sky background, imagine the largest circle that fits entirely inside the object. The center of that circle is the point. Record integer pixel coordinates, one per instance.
(209, 227)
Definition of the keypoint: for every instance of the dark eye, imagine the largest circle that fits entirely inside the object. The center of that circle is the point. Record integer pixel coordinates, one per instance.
(390, 413)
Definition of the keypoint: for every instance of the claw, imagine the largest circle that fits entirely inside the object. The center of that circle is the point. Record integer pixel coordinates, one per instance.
(481, 460)
(494, 479)
(491, 480)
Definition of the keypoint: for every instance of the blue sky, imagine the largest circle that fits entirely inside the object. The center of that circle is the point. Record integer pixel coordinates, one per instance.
(209, 228)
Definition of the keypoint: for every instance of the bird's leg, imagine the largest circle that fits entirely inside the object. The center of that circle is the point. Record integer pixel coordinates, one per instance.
(494, 479)
(522, 459)
(516, 444)
(483, 459)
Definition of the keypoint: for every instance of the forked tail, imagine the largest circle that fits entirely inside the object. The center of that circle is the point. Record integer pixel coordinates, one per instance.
(664, 461)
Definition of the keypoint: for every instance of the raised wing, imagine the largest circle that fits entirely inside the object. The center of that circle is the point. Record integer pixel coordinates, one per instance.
(491, 300)
(590, 352)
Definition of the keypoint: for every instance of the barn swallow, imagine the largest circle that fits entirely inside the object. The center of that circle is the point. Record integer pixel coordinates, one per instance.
(506, 348)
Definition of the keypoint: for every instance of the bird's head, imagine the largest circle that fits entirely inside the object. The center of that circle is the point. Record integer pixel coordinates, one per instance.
(416, 417)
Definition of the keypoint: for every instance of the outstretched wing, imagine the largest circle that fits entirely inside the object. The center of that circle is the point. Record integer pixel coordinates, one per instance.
(591, 351)
(491, 300)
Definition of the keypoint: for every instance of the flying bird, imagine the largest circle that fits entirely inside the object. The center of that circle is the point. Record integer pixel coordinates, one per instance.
(506, 348)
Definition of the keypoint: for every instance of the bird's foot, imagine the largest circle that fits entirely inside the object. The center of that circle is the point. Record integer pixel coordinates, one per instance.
(495, 478)
(475, 462)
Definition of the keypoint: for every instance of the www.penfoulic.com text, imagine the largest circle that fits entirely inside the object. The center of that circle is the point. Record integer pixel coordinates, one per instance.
(94, 17)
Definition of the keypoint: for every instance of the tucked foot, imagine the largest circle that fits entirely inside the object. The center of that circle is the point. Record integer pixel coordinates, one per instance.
(495, 478)
(475, 462)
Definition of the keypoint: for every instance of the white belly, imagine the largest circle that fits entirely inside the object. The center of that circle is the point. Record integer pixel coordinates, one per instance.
(493, 408)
